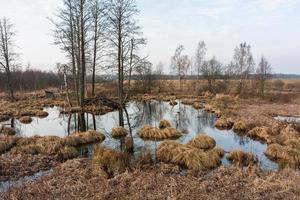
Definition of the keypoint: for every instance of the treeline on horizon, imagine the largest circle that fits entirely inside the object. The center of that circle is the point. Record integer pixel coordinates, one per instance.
(35, 79)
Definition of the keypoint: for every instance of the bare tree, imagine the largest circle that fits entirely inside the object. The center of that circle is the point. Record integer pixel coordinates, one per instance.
(263, 73)
(199, 59)
(98, 35)
(211, 70)
(244, 63)
(71, 33)
(7, 54)
(122, 32)
(180, 64)
(158, 75)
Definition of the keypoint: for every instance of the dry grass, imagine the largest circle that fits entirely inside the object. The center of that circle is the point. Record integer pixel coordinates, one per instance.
(76, 179)
(187, 156)
(129, 144)
(202, 141)
(38, 145)
(66, 153)
(7, 130)
(262, 133)
(25, 120)
(7, 142)
(84, 138)
(152, 133)
(119, 132)
(41, 114)
(173, 103)
(240, 127)
(287, 155)
(4, 118)
(287, 133)
(224, 123)
(197, 105)
(241, 158)
(164, 124)
(113, 161)
(144, 158)
(188, 101)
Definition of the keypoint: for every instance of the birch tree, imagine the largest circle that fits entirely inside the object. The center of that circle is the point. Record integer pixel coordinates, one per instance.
(180, 64)
(244, 63)
(199, 59)
(122, 34)
(263, 73)
(7, 54)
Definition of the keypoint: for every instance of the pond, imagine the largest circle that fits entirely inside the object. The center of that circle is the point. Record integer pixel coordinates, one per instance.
(142, 113)
(288, 119)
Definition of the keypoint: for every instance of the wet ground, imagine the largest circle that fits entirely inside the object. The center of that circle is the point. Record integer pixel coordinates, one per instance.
(141, 113)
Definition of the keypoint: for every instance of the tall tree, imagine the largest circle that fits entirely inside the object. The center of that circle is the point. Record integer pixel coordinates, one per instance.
(122, 31)
(180, 64)
(199, 59)
(7, 54)
(211, 70)
(71, 33)
(98, 35)
(244, 63)
(263, 73)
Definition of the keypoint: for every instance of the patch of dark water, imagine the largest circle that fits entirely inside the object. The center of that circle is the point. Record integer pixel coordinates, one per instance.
(7, 185)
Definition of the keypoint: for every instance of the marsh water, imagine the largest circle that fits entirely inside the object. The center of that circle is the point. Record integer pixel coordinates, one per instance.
(141, 113)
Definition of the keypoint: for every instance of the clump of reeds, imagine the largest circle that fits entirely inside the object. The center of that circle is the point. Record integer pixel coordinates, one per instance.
(289, 154)
(164, 124)
(168, 98)
(144, 158)
(287, 133)
(241, 158)
(83, 138)
(49, 145)
(261, 133)
(110, 159)
(197, 105)
(7, 130)
(152, 133)
(7, 142)
(129, 144)
(202, 141)
(4, 118)
(41, 114)
(188, 156)
(173, 103)
(240, 127)
(188, 101)
(66, 153)
(25, 120)
(119, 132)
(208, 108)
(224, 123)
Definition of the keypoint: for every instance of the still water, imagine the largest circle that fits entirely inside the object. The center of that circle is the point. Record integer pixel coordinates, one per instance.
(141, 113)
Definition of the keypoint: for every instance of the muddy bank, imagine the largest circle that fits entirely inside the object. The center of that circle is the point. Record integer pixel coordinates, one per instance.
(78, 179)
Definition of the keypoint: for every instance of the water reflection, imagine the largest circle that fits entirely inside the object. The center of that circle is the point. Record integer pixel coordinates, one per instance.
(141, 113)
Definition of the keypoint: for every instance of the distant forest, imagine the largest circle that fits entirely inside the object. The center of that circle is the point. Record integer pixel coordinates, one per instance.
(32, 79)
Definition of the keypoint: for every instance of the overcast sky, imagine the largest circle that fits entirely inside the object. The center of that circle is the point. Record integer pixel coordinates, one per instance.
(271, 27)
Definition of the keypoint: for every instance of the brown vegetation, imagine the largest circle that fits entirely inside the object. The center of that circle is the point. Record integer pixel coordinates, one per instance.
(224, 123)
(164, 124)
(119, 132)
(285, 155)
(25, 120)
(262, 133)
(152, 133)
(202, 141)
(241, 158)
(187, 156)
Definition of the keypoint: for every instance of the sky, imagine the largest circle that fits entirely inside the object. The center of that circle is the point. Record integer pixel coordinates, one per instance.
(271, 27)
